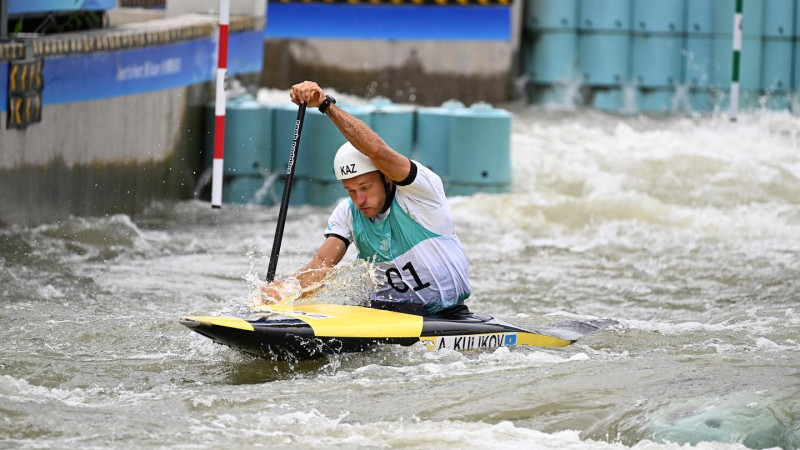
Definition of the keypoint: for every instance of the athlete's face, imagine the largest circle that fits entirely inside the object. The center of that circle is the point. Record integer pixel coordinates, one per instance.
(367, 193)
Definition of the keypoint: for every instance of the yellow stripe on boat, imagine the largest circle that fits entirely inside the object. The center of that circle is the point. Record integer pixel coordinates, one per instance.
(351, 321)
(229, 322)
(540, 340)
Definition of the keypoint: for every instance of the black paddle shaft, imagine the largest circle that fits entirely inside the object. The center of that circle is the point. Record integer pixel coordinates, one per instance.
(287, 192)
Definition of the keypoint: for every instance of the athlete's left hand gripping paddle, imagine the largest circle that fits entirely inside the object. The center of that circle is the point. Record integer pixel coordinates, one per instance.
(287, 192)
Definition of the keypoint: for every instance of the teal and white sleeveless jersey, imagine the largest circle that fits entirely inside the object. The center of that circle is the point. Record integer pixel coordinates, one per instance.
(417, 255)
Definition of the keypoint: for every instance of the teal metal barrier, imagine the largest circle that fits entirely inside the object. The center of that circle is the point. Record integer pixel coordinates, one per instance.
(605, 15)
(469, 148)
(604, 47)
(394, 124)
(480, 150)
(248, 152)
(433, 137)
(670, 55)
(604, 43)
(697, 53)
(776, 73)
(796, 54)
(658, 29)
(552, 15)
(552, 56)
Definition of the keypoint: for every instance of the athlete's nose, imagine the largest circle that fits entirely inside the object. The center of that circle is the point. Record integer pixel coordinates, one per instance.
(361, 199)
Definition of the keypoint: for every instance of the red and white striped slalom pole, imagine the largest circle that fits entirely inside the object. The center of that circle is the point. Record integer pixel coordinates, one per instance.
(219, 113)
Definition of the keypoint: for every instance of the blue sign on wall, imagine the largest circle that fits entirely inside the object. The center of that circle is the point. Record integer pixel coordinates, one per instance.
(112, 74)
(98, 75)
(387, 21)
(3, 86)
(34, 6)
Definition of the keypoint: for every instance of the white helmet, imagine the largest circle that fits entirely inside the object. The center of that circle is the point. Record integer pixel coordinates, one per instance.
(350, 163)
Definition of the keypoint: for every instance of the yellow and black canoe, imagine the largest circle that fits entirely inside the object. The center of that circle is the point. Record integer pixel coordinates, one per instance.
(311, 331)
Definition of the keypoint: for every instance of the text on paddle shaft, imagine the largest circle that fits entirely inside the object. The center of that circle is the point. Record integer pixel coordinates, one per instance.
(398, 284)
(293, 151)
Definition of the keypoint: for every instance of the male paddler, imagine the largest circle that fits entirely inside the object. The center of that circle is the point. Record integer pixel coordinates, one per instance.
(397, 216)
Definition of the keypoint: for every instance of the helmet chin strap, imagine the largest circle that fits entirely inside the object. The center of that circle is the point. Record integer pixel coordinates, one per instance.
(388, 188)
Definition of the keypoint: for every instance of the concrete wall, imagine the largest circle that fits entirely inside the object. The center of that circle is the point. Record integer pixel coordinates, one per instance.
(109, 143)
(425, 72)
(256, 8)
(102, 157)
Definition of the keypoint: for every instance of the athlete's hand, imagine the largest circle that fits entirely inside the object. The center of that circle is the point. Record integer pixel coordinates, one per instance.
(308, 92)
(285, 291)
(271, 294)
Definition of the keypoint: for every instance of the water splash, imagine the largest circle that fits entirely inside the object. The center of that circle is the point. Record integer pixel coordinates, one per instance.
(348, 283)
(753, 420)
(266, 189)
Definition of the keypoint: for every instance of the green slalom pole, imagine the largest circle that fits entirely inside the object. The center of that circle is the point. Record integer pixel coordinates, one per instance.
(737, 56)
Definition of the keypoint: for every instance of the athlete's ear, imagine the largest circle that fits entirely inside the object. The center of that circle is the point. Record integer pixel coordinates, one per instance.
(387, 183)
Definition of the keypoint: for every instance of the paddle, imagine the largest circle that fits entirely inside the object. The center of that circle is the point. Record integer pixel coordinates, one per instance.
(287, 192)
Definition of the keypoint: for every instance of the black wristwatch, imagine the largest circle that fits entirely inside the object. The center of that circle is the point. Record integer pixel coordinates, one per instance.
(325, 103)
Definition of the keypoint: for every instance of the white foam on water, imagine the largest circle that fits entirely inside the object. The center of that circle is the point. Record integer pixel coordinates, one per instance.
(701, 175)
(50, 292)
(417, 364)
(792, 316)
(103, 238)
(752, 418)
(747, 327)
(14, 390)
(722, 337)
(244, 398)
(768, 345)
